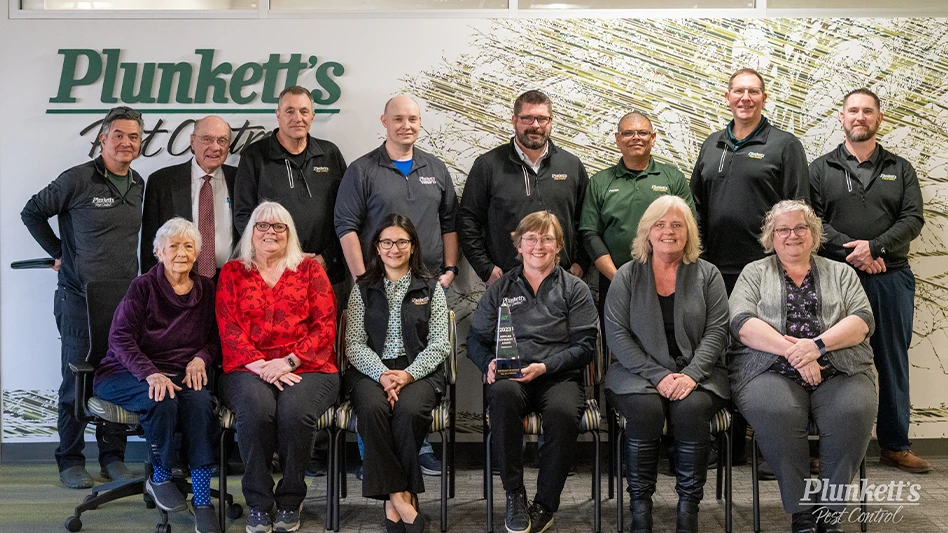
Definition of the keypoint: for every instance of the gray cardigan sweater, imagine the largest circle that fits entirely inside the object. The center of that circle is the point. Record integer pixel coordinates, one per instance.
(760, 292)
(637, 339)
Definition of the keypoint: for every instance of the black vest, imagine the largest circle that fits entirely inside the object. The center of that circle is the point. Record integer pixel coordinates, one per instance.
(416, 312)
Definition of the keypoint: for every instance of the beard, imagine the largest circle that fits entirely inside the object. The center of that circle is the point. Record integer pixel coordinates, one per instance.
(860, 135)
(526, 141)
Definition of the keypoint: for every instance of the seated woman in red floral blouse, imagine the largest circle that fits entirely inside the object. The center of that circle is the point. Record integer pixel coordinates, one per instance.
(277, 318)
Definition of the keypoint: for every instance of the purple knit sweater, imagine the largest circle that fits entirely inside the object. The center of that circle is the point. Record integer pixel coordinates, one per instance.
(156, 330)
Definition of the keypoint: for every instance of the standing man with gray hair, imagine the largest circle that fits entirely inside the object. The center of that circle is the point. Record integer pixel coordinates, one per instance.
(198, 190)
(99, 208)
(525, 175)
(871, 205)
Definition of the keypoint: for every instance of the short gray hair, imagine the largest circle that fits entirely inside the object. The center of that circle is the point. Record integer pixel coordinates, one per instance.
(273, 211)
(789, 206)
(121, 113)
(176, 227)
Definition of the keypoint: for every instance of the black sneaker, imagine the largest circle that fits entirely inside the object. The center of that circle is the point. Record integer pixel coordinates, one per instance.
(430, 465)
(540, 518)
(287, 520)
(517, 519)
(166, 495)
(76, 477)
(258, 521)
(205, 519)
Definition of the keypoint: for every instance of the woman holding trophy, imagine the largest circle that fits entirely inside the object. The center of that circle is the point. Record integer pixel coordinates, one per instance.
(554, 326)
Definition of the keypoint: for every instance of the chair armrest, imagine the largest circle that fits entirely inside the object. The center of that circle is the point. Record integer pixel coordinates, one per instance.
(80, 368)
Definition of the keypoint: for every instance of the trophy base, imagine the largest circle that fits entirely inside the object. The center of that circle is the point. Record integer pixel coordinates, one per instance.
(507, 368)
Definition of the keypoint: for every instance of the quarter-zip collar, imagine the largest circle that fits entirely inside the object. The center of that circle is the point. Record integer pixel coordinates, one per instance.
(386, 161)
(101, 171)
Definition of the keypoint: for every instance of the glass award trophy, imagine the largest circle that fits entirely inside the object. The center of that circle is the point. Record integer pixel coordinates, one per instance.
(507, 360)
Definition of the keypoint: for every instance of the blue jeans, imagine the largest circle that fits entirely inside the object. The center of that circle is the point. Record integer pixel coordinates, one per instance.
(190, 412)
(892, 298)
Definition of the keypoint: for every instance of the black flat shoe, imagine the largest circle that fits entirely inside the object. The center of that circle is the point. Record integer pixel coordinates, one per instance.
(418, 526)
(390, 526)
(803, 522)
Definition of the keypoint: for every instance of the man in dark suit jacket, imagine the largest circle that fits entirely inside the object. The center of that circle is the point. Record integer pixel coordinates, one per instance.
(176, 191)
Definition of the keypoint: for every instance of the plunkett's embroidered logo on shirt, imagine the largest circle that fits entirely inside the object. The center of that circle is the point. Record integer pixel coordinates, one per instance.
(559, 177)
(887, 177)
(421, 301)
(613, 190)
(513, 302)
(660, 188)
(755, 155)
(427, 180)
(320, 169)
(102, 202)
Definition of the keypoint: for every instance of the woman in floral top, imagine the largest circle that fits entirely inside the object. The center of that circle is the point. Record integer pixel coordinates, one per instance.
(396, 338)
(801, 325)
(277, 318)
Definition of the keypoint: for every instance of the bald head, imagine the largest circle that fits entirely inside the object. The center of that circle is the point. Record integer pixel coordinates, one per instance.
(402, 120)
(627, 119)
(210, 142)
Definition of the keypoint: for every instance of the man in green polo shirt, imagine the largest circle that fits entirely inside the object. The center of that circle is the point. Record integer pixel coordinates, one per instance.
(617, 197)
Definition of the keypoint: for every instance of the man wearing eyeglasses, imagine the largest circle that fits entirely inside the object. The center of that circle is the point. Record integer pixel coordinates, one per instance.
(302, 173)
(99, 209)
(741, 172)
(398, 177)
(871, 205)
(617, 197)
(198, 190)
(526, 175)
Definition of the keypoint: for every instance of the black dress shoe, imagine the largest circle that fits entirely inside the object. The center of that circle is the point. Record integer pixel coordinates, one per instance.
(803, 522)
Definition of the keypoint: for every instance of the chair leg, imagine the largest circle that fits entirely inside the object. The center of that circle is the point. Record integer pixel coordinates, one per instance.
(755, 485)
(488, 483)
(330, 474)
(339, 475)
(728, 495)
(863, 524)
(619, 460)
(719, 479)
(444, 482)
(222, 479)
(597, 486)
(451, 452)
(612, 458)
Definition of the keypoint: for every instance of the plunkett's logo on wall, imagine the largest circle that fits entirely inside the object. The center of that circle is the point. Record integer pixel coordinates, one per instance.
(198, 88)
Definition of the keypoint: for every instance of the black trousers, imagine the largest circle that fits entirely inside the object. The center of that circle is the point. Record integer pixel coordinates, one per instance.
(392, 436)
(270, 420)
(72, 321)
(689, 420)
(559, 400)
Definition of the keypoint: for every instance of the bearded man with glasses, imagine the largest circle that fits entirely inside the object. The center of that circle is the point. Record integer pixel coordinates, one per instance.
(525, 175)
(198, 190)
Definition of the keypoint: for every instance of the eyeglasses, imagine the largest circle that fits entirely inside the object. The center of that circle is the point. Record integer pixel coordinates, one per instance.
(208, 139)
(528, 120)
(799, 231)
(630, 134)
(278, 227)
(749, 91)
(386, 244)
(532, 240)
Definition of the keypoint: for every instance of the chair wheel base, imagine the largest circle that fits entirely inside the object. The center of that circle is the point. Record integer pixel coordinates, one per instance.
(163, 528)
(73, 524)
(235, 511)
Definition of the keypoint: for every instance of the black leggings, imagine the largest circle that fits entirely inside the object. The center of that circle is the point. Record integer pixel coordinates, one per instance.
(689, 420)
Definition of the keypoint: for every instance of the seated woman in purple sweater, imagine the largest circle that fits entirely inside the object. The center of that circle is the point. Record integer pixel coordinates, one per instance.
(163, 340)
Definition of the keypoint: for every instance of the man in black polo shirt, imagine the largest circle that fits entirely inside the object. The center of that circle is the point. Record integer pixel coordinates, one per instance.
(741, 172)
(527, 174)
(99, 208)
(871, 205)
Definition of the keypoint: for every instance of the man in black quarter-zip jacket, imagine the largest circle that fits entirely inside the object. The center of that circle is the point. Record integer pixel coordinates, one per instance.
(527, 174)
(871, 205)
(741, 172)
(300, 172)
(99, 208)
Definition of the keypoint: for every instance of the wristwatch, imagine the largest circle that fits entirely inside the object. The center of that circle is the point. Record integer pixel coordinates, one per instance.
(452, 269)
(821, 345)
(289, 361)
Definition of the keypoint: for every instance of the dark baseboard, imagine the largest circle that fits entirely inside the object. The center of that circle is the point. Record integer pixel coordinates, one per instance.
(469, 454)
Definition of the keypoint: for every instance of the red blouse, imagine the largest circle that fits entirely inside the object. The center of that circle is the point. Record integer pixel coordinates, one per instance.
(298, 316)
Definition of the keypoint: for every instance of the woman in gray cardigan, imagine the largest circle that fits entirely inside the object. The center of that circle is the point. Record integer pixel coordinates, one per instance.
(801, 325)
(667, 356)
